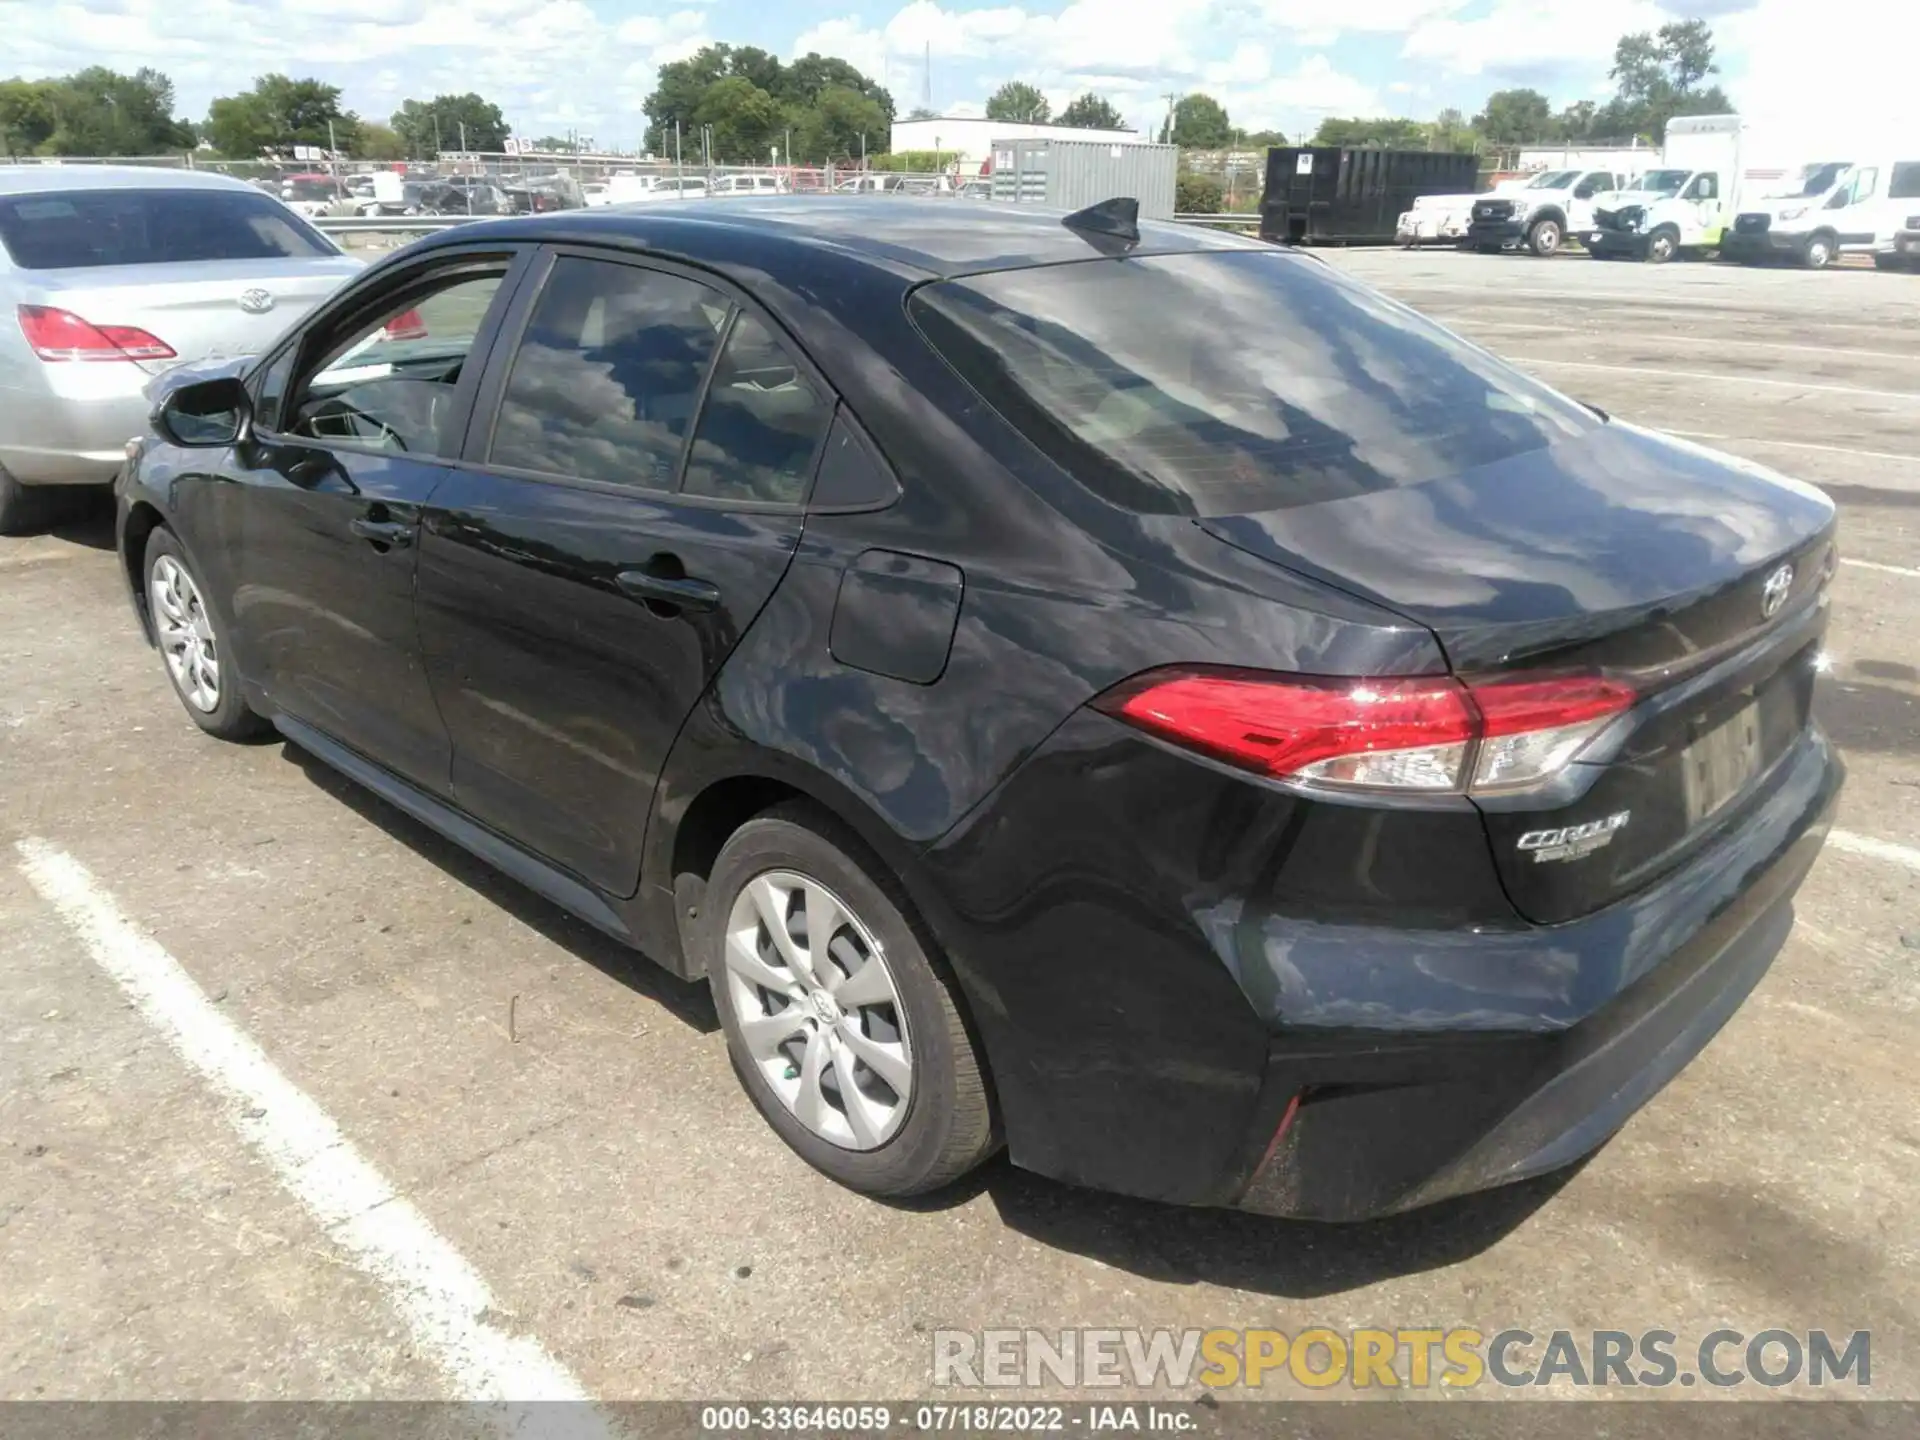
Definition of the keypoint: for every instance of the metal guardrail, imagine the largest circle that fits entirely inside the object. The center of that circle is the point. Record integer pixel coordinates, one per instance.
(390, 224)
(427, 224)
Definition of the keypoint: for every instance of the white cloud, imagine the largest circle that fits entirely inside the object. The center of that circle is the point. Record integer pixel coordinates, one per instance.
(548, 64)
(1819, 83)
(1526, 39)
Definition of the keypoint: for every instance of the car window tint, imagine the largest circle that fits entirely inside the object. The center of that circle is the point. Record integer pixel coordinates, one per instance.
(761, 426)
(606, 379)
(68, 229)
(1905, 184)
(389, 383)
(1234, 381)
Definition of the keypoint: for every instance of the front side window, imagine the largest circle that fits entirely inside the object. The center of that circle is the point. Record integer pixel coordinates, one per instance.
(1905, 181)
(390, 383)
(761, 426)
(1233, 381)
(607, 377)
(1865, 182)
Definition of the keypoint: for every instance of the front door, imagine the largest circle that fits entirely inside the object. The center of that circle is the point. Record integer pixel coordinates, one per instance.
(355, 425)
(632, 496)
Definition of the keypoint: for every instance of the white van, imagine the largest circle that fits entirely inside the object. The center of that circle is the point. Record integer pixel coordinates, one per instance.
(1838, 209)
(758, 184)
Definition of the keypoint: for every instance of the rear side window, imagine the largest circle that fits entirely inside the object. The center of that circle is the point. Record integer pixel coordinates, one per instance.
(1904, 184)
(73, 229)
(761, 426)
(1233, 381)
(608, 375)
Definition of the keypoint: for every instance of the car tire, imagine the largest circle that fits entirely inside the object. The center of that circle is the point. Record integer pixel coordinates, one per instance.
(26, 508)
(1545, 237)
(943, 1125)
(1662, 246)
(192, 640)
(1819, 251)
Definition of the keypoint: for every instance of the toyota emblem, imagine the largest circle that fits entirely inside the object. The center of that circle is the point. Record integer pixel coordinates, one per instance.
(256, 302)
(1773, 594)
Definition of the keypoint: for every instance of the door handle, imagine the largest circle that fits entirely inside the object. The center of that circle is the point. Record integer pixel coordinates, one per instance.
(668, 591)
(396, 533)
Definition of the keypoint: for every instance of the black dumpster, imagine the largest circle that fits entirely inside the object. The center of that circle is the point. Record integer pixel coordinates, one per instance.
(1333, 195)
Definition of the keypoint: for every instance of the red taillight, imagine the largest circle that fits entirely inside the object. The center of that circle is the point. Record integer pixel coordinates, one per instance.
(62, 335)
(407, 325)
(1427, 734)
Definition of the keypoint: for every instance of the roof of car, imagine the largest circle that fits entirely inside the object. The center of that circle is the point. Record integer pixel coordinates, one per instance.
(937, 237)
(43, 179)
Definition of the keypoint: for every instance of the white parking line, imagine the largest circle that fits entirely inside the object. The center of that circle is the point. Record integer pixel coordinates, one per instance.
(1645, 370)
(434, 1289)
(1671, 337)
(1883, 569)
(1874, 849)
(1800, 445)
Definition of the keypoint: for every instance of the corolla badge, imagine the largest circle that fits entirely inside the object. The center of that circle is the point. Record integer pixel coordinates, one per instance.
(256, 301)
(1773, 594)
(1571, 842)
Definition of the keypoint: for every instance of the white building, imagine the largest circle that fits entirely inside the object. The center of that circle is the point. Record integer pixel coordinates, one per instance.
(971, 139)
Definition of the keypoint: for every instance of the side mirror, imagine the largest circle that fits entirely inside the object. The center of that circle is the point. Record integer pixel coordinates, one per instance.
(206, 415)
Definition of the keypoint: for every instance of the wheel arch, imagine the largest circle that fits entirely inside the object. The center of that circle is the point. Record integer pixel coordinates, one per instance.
(1548, 212)
(136, 530)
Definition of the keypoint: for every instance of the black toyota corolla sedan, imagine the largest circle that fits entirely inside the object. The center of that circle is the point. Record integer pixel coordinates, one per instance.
(1121, 691)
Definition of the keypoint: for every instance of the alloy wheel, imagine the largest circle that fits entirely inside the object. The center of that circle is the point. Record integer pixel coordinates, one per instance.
(185, 634)
(818, 1010)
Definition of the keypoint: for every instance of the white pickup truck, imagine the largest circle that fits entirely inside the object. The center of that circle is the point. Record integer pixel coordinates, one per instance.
(1444, 217)
(1540, 214)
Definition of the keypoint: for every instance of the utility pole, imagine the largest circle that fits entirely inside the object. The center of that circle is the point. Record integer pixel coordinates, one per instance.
(679, 171)
(1173, 99)
(333, 158)
(436, 137)
(926, 78)
(463, 137)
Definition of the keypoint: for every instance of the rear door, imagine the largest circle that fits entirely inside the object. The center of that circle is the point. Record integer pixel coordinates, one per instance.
(630, 498)
(355, 425)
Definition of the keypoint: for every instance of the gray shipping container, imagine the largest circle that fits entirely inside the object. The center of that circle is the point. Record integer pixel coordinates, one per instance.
(1072, 174)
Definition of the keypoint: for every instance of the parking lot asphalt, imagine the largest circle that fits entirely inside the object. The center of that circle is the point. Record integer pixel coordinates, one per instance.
(568, 1156)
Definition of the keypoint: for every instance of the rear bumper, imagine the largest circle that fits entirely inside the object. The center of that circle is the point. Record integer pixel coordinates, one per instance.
(1236, 1053)
(75, 439)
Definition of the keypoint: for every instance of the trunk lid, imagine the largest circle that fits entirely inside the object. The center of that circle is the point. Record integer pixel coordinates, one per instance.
(1696, 577)
(196, 307)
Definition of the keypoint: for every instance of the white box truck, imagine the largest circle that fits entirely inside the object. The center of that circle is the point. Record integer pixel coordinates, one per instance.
(1681, 206)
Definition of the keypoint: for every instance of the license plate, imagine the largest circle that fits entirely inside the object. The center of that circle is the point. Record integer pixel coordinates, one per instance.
(1717, 766)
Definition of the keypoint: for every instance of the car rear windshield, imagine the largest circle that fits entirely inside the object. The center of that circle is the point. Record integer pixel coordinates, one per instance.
(1232, 382)
(76, 228)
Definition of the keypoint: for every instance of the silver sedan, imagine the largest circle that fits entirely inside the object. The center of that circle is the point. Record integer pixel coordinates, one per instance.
(110, 275)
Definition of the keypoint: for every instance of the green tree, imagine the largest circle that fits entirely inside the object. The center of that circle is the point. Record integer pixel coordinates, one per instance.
(1385, 132)
(921, 112)
(378, 142)
(1451, 132)
(832, 129)
(677, 92)
(1576, 122)
(1091, 112)
(1196, 194)
(1018, 103)
(1198, 122)
(28, 115)
(425, 126)
(1658, 75)
(278, 113)
(98, 111)
(1257, 139)
(804, 81)
(746, 120)
(1512, 116)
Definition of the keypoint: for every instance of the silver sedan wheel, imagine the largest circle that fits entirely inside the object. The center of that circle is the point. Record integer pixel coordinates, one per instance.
(185, 633)
(818, 1010)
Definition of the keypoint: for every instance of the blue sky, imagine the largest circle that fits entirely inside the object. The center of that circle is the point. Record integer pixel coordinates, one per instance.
(588, 64)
